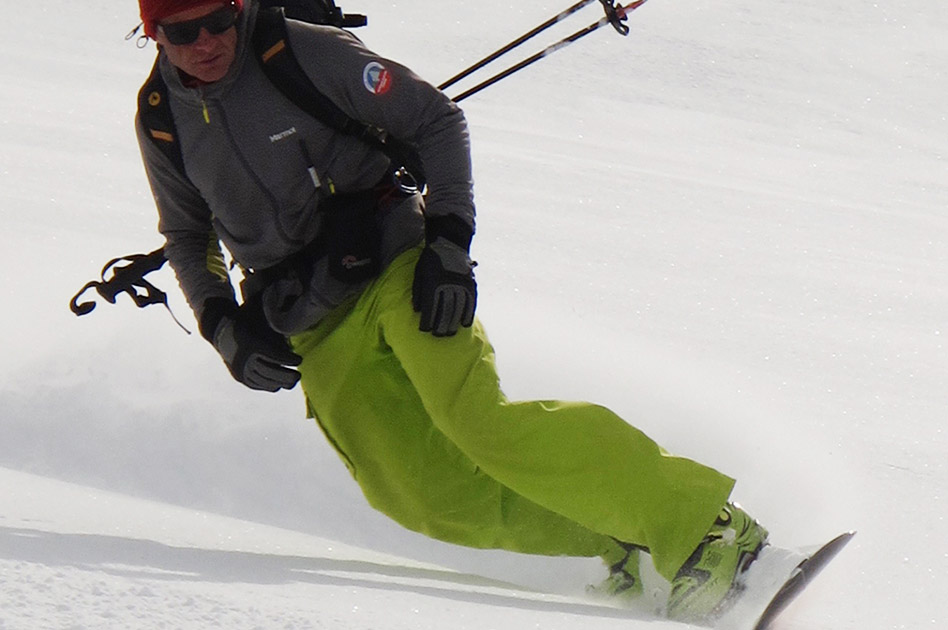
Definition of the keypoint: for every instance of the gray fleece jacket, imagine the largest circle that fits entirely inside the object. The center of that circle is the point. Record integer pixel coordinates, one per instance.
(252, 160)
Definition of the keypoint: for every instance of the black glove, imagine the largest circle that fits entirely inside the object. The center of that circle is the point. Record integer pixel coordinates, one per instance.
(444, 290)
(254, 353)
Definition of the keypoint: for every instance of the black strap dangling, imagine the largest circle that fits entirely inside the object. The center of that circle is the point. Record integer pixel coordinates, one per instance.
(128, 279)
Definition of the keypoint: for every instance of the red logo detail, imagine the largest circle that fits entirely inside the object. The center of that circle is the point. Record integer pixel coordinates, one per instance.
(377, 78)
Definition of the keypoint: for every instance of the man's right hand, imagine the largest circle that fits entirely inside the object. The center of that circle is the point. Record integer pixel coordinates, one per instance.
(255, 354)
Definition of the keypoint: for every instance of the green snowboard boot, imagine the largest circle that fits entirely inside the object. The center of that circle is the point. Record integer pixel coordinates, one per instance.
(624, 581)
(704, 585)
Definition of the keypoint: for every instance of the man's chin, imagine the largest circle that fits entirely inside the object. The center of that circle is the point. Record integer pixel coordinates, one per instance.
(210, 72)
(209, 76)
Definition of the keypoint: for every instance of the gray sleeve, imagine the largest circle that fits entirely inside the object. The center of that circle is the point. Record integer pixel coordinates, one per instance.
(380, 92)
(191, 245)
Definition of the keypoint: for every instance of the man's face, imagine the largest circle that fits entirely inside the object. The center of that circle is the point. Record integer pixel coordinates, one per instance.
(208, 57)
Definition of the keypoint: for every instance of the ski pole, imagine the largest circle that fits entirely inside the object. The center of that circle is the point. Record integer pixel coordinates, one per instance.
(615, 15)
(517, 42)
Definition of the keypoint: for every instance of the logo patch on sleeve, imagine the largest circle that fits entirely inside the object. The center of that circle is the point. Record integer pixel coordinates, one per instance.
(377, 78)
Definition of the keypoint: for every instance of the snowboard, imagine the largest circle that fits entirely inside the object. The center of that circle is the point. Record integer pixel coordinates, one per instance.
(801, 576)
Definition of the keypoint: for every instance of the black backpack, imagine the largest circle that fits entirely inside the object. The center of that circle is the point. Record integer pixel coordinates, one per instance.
(284, 71)
(316, 12)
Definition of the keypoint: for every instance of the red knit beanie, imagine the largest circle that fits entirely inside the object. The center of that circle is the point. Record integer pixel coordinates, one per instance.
(153, 11)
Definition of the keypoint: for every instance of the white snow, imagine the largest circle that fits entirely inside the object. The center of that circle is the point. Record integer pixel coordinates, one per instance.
(730, 227)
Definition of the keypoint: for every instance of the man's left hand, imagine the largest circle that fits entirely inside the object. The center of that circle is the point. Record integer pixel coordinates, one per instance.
(444, 290)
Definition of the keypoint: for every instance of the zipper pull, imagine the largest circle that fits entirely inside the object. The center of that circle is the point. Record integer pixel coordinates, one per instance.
(204, 112)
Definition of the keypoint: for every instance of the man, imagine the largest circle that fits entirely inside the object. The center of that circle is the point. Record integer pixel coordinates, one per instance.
(395, 368)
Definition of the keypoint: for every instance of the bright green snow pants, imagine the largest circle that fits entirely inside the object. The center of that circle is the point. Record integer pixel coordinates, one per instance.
(423, 427)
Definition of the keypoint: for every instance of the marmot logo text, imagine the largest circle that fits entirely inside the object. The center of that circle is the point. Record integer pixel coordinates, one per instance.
(283, 135)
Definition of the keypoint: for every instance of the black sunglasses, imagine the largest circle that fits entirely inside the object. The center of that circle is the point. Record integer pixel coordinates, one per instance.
(216, 22)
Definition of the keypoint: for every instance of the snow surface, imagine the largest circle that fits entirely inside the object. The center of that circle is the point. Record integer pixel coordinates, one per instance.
(730, 227)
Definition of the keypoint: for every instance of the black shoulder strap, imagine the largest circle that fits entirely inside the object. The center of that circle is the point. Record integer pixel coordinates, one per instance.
(285, 72)
(154, 110)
